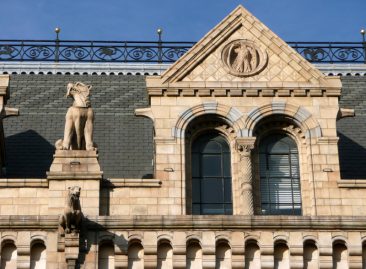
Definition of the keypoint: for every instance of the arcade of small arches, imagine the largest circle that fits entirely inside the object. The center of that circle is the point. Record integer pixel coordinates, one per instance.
(225, 255)
(37, 255)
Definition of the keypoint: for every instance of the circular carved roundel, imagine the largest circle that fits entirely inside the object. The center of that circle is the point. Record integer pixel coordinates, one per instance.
(243, 58)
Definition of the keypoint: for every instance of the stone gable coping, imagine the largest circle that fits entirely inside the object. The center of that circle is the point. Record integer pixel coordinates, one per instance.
(201, 71)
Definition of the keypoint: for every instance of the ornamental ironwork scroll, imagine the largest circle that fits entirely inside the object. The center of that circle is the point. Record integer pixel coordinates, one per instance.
(168, 52)
(92, 51)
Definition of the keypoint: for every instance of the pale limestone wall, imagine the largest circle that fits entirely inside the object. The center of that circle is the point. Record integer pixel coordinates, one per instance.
(23, 201)
(321, 151)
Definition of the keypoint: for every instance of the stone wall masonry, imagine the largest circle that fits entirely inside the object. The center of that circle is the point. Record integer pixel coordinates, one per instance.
(317, 113)
(210, 232)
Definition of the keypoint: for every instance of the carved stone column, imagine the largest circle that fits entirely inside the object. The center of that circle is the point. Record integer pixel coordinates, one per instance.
(245, 175)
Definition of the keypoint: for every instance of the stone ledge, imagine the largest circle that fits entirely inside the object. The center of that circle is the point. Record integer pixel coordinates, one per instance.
(24, 182)
(351, 183)
(131, 182)
(29, 222)
(190, 222)
(74, 175)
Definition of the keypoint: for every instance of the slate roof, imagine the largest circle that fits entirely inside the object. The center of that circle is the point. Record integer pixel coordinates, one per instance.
(125, 141)
(352, 131)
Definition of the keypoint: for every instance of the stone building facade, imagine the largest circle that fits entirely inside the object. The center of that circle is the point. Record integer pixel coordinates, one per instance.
(239, 155)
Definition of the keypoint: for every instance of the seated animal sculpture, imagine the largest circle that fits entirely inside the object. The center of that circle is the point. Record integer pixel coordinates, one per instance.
(78, 133)
(72, 217)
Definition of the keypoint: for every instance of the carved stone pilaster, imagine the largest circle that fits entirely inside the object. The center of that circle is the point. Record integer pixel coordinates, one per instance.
(244, 147)
(71, 250)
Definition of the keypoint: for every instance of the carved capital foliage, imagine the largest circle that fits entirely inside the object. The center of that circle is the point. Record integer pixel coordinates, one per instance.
(245, 145)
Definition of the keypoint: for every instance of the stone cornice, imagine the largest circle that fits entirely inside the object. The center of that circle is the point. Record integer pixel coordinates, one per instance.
(351, 183)
(246, 92)
(189, 222)
(130, 182)
(331, 86)
(24, 182)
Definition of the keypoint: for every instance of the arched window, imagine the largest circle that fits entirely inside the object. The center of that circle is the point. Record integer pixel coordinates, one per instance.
(194, 256)
(38, 256)
(311, 256)
(252, 256)
(279, 176)
(8, 256)
(223, 256)
(211, 175)
(165, 256)
(135, 256)
(106, 256)
(281, 257)
(340, 256)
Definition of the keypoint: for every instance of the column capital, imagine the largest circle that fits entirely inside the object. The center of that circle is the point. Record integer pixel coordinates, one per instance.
(244, 145)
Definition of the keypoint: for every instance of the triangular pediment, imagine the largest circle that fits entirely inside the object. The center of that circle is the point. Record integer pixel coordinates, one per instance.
(242, 50)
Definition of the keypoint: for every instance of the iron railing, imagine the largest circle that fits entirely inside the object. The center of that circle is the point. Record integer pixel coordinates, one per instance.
(156, 51)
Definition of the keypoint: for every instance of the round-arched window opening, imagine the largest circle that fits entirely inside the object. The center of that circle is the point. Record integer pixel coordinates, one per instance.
(211, 175)
(279, 176)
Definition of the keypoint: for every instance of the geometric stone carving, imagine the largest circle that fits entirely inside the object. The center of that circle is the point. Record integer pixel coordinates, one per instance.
(244, 147)
(70, 221)
(243, 58)
(78, 133)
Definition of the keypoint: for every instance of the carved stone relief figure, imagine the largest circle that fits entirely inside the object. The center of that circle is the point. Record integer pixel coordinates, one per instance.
(243, 58)
(71, 219)
(78, 133)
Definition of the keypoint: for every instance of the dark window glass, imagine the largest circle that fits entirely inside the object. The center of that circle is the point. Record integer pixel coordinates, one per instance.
(211, 165)
(211, 176)
(279, 176)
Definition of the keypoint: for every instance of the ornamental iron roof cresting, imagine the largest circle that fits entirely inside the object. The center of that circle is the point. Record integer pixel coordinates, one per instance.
(156, 51)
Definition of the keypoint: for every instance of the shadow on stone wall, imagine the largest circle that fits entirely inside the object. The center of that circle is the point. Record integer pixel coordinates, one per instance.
(28, 155)
(93, 233)
(352, 158)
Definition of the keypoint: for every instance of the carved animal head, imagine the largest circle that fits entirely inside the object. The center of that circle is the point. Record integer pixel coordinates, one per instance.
(77, 88)
(80, 92)
(74, 192)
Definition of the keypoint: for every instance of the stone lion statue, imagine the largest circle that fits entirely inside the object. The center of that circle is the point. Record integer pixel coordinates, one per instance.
(78, 133)
(71, 219)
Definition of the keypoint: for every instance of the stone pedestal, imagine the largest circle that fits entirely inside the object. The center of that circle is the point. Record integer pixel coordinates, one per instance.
(71, 250)
(74, 168)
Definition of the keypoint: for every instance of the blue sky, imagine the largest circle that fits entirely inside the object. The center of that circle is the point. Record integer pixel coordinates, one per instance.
(183, 20)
